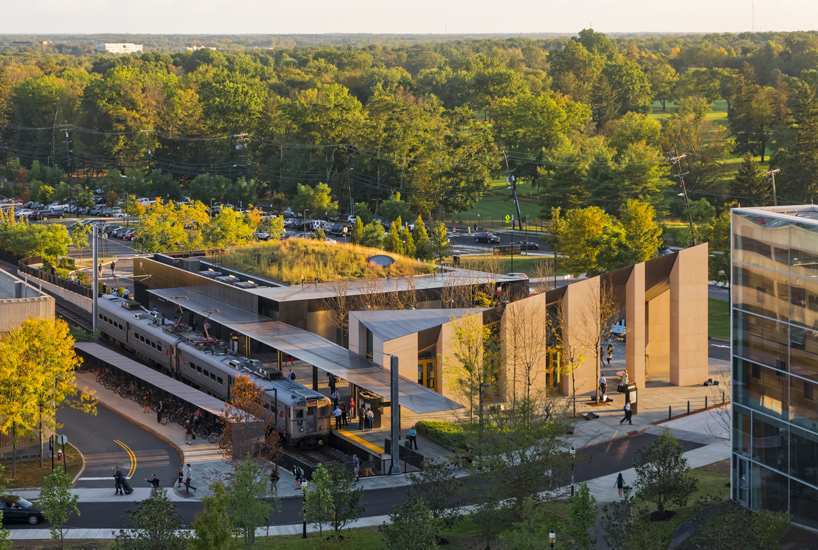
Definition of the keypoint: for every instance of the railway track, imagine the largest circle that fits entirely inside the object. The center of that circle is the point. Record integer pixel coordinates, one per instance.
(313, 458)
(72, 317)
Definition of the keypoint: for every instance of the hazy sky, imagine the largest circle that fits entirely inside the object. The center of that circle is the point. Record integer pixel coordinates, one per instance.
(405, 16)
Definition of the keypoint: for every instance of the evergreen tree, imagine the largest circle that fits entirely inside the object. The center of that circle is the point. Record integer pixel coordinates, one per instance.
(357, 231)
(750, 186)
(393, 243)
(799, 159)
(409, 248)
(422, 245)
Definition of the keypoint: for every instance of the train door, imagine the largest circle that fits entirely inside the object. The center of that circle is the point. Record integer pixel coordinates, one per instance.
(312, 413)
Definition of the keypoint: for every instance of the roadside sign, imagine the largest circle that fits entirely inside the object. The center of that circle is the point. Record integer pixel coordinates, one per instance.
(508, 218)
(62, 440)
(105, 235)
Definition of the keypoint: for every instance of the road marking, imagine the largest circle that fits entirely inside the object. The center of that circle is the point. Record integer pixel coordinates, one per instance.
(131, 455)
(362, 441)
(98, 478)
(720, 346)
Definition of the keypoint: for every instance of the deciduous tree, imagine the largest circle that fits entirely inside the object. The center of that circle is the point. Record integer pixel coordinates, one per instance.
(663, 475)
(212, 528)
(410, 527)
(57, 502)
(156, 526)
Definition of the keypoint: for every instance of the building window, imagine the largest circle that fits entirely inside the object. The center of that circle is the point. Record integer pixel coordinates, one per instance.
(370, 345)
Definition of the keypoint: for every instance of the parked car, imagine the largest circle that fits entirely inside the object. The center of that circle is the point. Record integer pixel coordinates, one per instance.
(130, 235)
(262, 235)
(115, 212)
(119, 232)
(48, 214)
(517, 275)
(17, 509)
(23, 212)
(489, 237)
(527, 245)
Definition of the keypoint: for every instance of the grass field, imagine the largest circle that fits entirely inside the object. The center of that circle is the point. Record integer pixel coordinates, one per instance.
(29, 473)
(533, 266)
(718, 319)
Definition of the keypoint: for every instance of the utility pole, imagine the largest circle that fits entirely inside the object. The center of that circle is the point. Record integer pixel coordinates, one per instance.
(394, 378)
(510, 179)
(772, 174)
(377, 203)
(95, 290)
(677, 160)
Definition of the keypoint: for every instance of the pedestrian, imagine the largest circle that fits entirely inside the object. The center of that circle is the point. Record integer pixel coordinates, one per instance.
(337, 418)
(620, 484)
(336, 397)
(603, 384)
(71, 278)
(625, 380)
(188, 478)
(99, 269)
(188, 432)
(117, 483)
(147, 401)
(412, 438)
(609, 353)
(298, 473)
(291, 375)
(154, 482)
(160, 408)
(290, 361)
(344, 415)
(126, 293)
(197, 416)
(104, 288)
(351, 407)
(356, 466)
(53, 271)
(181, 477)
(123, 482)
(331, 383)
(627, 413)
(113, 267)
(274, 477)
(370, 417)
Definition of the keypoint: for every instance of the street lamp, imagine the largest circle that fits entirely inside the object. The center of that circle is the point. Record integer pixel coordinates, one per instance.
(304, 510)
(552, 538)
(304, 219)
(482, 385)
(573, 455)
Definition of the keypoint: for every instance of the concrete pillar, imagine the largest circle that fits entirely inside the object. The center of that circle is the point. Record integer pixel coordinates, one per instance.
(657, 349)
(577, 305)
(635, 320)
(688, 317)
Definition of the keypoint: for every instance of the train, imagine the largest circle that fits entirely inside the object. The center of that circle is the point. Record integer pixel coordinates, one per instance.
(302, 415)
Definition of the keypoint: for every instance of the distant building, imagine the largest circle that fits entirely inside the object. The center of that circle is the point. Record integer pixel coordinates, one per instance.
(120, 48)
(20, 301)
(195, 48)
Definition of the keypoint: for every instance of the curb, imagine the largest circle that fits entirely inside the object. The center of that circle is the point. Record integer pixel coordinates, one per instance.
(76, 477)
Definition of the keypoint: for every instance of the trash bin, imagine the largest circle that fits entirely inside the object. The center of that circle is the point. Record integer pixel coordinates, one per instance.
(630, 395)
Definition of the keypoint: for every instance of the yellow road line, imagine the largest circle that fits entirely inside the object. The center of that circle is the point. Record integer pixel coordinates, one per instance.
(363, 442)
(131, 456)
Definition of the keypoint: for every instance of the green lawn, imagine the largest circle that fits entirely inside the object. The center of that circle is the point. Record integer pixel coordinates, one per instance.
(718, 319)
(533, 266)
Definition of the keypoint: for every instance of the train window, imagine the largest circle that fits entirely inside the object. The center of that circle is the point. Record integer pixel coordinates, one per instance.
(153, 345)
(219, 380)
(204, 371)
(299, 413)
(310, 411)
(198, 369)
(212, 376)
(100, 315)
(159, 346)
(230, 380)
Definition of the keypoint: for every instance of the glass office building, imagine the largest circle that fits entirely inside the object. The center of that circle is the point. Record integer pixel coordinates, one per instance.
(775, 360)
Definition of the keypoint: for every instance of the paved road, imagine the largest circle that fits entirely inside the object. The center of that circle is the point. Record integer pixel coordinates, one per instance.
(109, 439)
(598, 460)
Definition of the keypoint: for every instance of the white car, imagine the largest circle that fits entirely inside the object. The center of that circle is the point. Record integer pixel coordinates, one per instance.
(352, 219)
(23, 213)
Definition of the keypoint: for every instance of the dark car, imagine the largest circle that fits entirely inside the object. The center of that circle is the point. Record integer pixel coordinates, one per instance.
(46, 214)
(17, 509)
(119, 233)
(527, 245)
(490, 238)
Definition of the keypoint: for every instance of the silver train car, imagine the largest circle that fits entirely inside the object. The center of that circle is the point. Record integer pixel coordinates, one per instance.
(302, 415)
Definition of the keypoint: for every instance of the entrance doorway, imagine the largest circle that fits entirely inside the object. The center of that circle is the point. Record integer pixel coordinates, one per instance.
(427, 364)
(741, 481)
(553, 372)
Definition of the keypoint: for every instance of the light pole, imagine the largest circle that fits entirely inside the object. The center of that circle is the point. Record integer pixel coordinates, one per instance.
(573, 454)
(552, 538)
(304, 511)
(304, 219)
(482, 385)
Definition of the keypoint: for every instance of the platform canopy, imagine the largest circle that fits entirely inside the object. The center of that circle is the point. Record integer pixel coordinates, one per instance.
(310, 348)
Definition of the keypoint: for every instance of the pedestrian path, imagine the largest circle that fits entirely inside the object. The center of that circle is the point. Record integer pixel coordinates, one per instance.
(602, 488)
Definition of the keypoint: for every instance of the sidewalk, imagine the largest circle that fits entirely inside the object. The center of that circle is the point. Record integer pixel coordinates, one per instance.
(602, 488)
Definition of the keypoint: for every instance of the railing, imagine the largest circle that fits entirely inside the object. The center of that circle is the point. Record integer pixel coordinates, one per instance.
(24, 267)
(708, 404)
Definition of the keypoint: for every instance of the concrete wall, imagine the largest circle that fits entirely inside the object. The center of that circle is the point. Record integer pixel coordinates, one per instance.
(449, 346)
(54, 290)
(636, 321)
(405, 349)
(22, 301)
(657, 350)
(688, 317)
(577, 302)
(523, 348)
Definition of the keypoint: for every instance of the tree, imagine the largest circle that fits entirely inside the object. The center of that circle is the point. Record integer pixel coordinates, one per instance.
(169, 228)
(230, 228)
(571, 352)
(410, 527)
(798, 156)
(363, 213)
(437, 487)
(633, 128)
(357, 233)
(332, 498)
(37, 376)
(423, 248)
(598, 314)
(156, 526)
(627, 524)
(212, 528)
(663, 474)
(642, 233)
(57, 502)
(662, 78)
(580, 237)
(247, 428)
(409, 248)
(247, 503)
(392, 243)
(440, 241)
(79, 236)
(582, 513)
(734, 527)
(373, 235)
(630, 85)
(531, 532)
(318, 200)
(394, 208)
(705, 145)
(718, 236)
(750, 185)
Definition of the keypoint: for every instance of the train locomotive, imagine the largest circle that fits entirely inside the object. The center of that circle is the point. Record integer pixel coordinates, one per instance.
(303, 416)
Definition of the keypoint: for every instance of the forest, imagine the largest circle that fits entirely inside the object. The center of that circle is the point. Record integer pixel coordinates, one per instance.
(578, 121)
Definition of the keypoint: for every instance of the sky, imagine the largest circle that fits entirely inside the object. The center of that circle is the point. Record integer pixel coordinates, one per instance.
(404, 16)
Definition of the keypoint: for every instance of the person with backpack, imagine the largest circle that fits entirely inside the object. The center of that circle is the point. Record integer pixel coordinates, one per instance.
(181, 477)
(361, 417)
(123, 482)
(117, 484)
(356, 466)
(154, 482)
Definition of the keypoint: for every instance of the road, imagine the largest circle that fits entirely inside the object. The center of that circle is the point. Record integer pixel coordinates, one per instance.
(594, 461)
(108, 440)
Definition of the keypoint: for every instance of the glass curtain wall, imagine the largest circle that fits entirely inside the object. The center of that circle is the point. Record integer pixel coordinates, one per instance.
(775, 363)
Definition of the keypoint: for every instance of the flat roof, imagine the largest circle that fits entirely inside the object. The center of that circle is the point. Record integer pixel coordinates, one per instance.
(391, 324)
(803, 212)
(311, 348)
(152, 377)
(317, 291)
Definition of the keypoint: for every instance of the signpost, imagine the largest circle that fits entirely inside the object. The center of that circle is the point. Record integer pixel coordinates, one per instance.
(62, 440)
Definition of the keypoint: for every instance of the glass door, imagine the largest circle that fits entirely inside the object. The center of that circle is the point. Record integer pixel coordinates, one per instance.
(426, 373)
(741, 480)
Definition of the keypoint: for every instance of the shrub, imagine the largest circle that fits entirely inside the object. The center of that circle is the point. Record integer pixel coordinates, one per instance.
(451, 435)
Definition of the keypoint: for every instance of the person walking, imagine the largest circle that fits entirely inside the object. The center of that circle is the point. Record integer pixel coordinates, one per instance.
(298, 473)
(181, 477)
(356, 466)
(117, 483)
(113, 267)
(337, 418)
(413, 438)
(188, 432)
(147, 401)
(274, 477)
(609, 354)
(332, 380)
(344, 419)
(351, 407)
(154, 482)
(188, 478)
(99, 269)
(370, 417)
(160, 408)
(603, 384)
(620, 484)
(361, 417)
(627, 413)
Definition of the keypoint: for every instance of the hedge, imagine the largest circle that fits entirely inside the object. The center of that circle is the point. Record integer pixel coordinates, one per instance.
(453, 436)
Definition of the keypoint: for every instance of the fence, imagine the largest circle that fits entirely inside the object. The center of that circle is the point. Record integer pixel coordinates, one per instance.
(707, 403)
(491, 222)
(23, 266)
